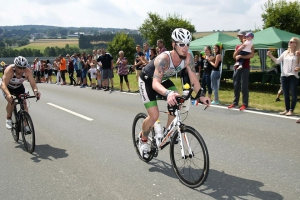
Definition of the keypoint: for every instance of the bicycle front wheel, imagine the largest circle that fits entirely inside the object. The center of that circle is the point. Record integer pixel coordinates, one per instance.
(15, 128)
(28, 133)
(136, 132)
(191, 168)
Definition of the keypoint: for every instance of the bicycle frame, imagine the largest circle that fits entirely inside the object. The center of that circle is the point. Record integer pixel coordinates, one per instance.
(176, 124)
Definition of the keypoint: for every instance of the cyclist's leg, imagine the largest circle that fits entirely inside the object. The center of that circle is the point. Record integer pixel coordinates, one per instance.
(170, 86)
(148, 123)
(149, 99)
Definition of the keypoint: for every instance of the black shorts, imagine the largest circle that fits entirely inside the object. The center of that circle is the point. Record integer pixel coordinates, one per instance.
(148, 94)
(16, 91)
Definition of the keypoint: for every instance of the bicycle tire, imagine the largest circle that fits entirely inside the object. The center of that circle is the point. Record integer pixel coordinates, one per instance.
(28, 139)
(15, 127)
(136, 130)
(189, 176)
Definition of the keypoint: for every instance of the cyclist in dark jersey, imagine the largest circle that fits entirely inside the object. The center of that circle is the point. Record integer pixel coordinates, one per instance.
(12, 84)
(154, 80)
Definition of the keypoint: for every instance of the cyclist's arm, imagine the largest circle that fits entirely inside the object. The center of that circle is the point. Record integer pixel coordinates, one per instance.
(161, 63)
(190, 66)
(32, 82)
(8, 74)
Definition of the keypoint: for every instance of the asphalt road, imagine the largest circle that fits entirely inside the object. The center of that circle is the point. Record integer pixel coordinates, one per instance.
(252, 156)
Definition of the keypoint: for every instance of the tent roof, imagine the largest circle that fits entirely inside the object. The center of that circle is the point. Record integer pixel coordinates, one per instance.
(267, 38)
(199, 44)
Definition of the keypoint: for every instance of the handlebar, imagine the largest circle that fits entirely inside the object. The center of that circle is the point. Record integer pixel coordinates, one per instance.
(25, 96)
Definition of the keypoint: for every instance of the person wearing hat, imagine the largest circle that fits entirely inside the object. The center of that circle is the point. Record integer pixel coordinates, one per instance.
(241, 77)
(62, 68)
(247, 43)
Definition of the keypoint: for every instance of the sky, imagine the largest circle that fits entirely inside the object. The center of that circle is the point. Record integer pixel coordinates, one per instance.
(205, 15)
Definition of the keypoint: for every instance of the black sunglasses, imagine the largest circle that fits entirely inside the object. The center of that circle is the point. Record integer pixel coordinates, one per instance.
(292, 42)
(21, 67)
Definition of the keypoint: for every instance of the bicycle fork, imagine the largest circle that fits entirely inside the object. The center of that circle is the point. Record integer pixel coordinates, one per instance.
(181, 137)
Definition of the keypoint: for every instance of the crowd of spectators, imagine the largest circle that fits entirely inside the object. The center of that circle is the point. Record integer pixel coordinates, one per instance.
(96, 70)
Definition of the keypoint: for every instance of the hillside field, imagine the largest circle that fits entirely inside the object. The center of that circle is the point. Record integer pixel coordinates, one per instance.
(41, 44)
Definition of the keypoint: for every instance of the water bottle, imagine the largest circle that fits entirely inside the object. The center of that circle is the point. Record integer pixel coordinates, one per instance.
(158, 132)
(186, 105)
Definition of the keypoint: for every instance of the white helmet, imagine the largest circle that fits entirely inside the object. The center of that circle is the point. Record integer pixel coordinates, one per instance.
(181, 35)
(20, 61)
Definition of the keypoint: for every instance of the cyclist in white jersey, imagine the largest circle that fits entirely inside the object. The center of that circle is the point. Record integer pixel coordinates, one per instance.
(12, 84)
(154, 79)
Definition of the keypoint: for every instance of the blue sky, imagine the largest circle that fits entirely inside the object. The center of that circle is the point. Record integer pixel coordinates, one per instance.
(205, 15)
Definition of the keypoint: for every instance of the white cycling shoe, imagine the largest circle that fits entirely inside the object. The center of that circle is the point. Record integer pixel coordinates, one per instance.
(143, 146)
(27, 130)
(8, 124)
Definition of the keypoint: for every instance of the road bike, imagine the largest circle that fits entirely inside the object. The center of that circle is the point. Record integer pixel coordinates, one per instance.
(188, 151)
(22, 122)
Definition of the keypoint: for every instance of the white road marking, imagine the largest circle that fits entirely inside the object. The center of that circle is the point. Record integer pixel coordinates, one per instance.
(258, 112)
(71, 112)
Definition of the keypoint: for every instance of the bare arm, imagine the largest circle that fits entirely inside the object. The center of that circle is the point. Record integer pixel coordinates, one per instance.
(190, 66)
(217, 60)
(8, 74)
(161, 63)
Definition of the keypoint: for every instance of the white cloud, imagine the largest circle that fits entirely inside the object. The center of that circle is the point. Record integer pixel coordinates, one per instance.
(206, 15)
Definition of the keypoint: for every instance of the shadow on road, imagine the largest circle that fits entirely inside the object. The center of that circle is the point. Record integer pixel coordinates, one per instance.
(162, 167)
(47, 152)
(220, 185)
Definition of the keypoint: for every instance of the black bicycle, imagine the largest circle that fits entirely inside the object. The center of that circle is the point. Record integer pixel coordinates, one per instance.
(188, 151)
(22, 122)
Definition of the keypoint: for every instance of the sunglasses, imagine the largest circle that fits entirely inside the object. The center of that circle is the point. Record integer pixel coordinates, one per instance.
(21, 67)
(183, 44)
(292, 42)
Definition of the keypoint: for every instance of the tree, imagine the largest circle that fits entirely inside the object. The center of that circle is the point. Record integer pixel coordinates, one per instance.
(282, 15)
(124, 42)
(155, 27)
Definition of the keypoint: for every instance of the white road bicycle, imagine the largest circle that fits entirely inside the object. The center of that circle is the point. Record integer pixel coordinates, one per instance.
(188, 151)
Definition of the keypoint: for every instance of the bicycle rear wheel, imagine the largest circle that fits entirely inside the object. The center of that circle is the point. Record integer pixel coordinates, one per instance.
(192, 169)
(136, 131)
(28, 133)
(15, 128)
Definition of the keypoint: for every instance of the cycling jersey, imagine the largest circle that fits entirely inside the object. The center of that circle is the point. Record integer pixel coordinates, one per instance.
(147, 93)
(15, 82)
(171, 71)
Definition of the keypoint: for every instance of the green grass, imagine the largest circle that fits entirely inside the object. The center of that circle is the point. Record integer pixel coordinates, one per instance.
(41, 44)
(260, 97)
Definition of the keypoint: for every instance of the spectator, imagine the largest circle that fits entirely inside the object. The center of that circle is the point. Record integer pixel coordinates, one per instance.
(84, 71)
(37, 70)
(197, 66)
(138, 62)
(146, 51)
(44, 70)
(289, 74)
(88, 62)
(56, 70)
(78, 68)
(122, 70)
(62, 68)
(99, 71)
(71, 62)
(107, 65)
(207, 68)
(92, 71)
(160, 45)
(153, 54)
(157, 50)
(241, 77)
(215, 74)
(50, 71)
(246, 49)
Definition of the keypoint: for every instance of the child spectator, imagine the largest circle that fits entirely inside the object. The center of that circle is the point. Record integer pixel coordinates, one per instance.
(246, 49)
(92, 71)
